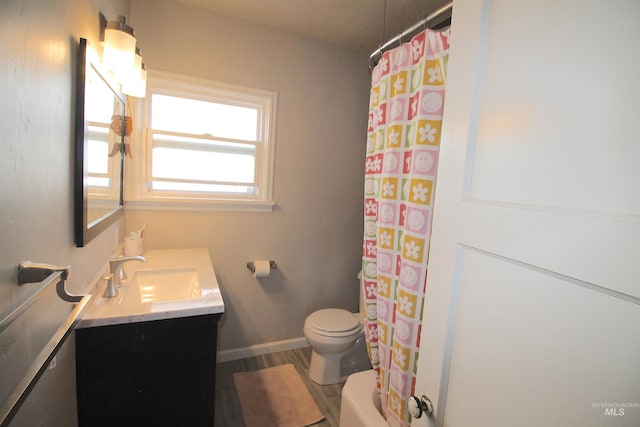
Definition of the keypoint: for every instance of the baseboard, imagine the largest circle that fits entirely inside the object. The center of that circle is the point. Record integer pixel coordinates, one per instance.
(260, 349)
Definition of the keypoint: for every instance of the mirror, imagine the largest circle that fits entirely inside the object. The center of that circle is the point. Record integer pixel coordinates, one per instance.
(99, 153)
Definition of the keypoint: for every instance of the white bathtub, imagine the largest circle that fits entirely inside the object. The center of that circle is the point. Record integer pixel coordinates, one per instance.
(360, 405)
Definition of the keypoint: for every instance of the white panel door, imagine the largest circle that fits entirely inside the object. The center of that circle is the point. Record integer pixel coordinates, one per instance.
(532, 315)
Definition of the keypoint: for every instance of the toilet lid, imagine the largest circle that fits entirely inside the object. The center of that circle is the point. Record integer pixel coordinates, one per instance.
(333, 320)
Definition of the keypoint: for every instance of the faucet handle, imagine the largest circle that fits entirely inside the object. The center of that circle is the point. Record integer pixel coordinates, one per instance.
(110, 290)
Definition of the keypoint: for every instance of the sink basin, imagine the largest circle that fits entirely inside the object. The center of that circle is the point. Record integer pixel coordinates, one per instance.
(165, 285)
(171, 283)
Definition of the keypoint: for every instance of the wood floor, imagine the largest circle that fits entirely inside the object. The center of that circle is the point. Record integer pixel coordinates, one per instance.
(228, 412)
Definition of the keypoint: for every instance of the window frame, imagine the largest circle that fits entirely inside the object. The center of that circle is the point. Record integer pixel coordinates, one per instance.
(139, 193)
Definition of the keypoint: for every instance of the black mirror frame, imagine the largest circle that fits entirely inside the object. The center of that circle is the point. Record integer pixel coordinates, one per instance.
(84, 233)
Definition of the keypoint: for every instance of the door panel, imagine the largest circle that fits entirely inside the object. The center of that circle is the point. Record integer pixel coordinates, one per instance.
(522, 335)
(533, 292)
(554, 80)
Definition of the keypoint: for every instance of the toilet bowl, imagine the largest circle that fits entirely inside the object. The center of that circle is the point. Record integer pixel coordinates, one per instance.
(332, 334)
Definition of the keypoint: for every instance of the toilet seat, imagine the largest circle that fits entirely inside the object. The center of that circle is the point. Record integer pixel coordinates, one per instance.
(333, 322)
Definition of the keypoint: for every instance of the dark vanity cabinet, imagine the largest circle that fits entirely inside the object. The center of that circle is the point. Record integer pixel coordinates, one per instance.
(154, 373)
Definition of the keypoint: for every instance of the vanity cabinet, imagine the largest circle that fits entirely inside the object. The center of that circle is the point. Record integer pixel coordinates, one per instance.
(150, 373)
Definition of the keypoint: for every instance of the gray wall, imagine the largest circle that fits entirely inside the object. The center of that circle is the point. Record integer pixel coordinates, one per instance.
(38, 44)
(314, 233)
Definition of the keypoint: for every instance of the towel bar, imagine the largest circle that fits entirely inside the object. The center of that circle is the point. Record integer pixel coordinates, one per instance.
(48, 275)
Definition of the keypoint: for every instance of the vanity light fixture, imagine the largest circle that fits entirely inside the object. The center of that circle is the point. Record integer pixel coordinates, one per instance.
(137, 87)
(121, 56)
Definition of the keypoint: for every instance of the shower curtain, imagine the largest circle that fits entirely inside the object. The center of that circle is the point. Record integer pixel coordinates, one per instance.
(405, 115)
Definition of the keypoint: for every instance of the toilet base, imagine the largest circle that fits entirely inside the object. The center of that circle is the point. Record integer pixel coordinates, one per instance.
(324, 369)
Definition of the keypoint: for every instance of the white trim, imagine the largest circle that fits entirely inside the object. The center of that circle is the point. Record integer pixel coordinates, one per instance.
(260, 349)
(199, 205)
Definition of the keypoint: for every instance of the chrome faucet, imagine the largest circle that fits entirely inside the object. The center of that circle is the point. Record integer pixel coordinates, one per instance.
(115, 267)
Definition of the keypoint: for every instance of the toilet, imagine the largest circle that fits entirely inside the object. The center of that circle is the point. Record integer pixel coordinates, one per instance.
(336, 338)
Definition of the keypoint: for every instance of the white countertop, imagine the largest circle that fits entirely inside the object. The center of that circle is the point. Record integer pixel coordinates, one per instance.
(127, 308)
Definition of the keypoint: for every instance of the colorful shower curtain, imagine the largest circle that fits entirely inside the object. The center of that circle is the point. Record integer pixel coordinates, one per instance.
(405, 115)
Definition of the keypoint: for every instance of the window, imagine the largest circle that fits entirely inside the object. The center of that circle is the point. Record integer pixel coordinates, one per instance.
(205, 143)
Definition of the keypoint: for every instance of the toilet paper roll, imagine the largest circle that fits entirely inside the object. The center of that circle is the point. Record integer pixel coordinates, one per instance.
(263, 268)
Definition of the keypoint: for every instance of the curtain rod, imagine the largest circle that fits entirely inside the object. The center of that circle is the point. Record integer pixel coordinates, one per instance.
(443, 12)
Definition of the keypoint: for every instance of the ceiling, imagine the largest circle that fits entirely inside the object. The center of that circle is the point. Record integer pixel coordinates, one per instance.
(357, 24)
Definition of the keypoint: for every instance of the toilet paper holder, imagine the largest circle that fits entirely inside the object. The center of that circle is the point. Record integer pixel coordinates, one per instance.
(252, 267)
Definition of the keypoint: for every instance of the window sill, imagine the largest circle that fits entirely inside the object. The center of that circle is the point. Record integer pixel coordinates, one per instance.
(200, 205)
